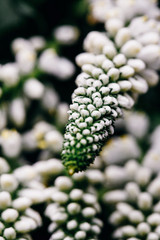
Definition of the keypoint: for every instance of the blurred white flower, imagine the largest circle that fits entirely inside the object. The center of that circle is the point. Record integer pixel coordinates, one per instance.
(51, 63)
(17, 112)
(38, 42)
(9, 74)
(50, 99)
(21, 44)
(54, 140)
(136, 123)
(26, 60)
(66, 34)
(33, 88)
(10, 141)
(120, 149)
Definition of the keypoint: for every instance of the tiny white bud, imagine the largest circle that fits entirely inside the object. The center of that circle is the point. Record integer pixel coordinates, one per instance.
(63, 183)
(113, 74)
(88, 212)
(113, 25)
(73, 208)
(109, 51)
(9, 233)
(152, 236)
(80, 235)
(60, 197)
(9, 215)
(8, 182)
(119, 60)
(143, 229)
(76, 194)
(33, 88)
(144, 201)
(126, 71)
(123, 35)
(131, 48)
(72, 224)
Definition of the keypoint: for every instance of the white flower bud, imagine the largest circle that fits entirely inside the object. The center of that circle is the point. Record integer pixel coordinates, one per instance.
(76, 194)
(85, 226)
(124, 85)
(49, 167)
(95, 229)
(66, 34)
(68, 238)
(116, 218)
(33, 88)
(26, 59)
(126, 71)
(129, 231)
(21, 203)
(131, 48)
(9, 215)
(153, 51)
(11, 143)
(94, 176)
(136, 217)
(113, 25)
(8, 182)
(139, 85)
(113, 74)
(109, 51)
(154, 219)
(88, 212)
(58, 235)
(72, 224)
(4, 167)
(59, 217)
(25, 173)
(143, 229)
(115, 196)
(150, 76)
(20, 44)
(85, 58)
(144, 201)
(80, 235)
(123, 35)
(89, 199)
(152, 236)
(119, 60)
(143, 176)
(137, 64)
(114, 87)
(73, 208)
(115, 175)
(131, 168)
(60, 197)
(50, 99)
(123, 101)
(54, 140)
(35, 195)
(38, 42)
(9, 233)
(95, 41)
(154, 187)
(17, 111)
(63, 183)
(5, 200)
(132, 190)
(9, 74)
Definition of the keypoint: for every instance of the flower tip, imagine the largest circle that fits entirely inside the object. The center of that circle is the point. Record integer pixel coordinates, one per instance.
(71, 171)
